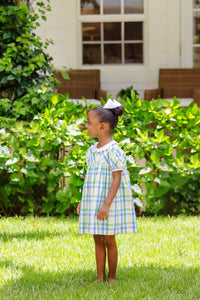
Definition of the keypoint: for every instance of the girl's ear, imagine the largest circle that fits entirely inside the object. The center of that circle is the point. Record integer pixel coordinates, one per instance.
(102, 125)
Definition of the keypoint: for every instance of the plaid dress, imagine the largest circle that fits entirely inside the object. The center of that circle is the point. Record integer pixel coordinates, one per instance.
(101, 162)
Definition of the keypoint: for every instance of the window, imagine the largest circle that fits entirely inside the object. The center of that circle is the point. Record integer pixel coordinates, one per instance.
(196, 33)
(112, 31)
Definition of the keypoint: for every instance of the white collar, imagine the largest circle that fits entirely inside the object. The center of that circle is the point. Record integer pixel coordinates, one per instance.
(106, 146)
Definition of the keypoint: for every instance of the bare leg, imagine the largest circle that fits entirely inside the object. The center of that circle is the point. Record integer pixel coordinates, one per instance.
(100, 251)
(112, 256)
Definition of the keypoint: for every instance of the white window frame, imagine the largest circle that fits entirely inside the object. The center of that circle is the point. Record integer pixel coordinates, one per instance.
(112, 18)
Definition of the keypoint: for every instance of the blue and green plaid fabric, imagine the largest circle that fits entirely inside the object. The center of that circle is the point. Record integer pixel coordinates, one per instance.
(101, 162)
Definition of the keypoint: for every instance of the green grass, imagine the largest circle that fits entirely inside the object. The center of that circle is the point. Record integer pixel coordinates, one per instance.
(45, 258)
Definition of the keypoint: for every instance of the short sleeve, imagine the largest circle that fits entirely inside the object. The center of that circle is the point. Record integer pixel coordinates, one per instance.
(88, 155)
(117, 159)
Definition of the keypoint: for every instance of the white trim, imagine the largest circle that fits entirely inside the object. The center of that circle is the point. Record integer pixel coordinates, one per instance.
(112, 18)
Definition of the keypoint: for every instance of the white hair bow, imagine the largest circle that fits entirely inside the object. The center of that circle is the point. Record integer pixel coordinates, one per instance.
(111, 104)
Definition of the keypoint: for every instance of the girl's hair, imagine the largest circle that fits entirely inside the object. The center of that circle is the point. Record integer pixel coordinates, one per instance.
(109, 115)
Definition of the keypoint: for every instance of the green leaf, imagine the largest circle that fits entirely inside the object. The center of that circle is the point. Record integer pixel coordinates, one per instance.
(35, 100)
(164, 167)
(131, 160)
(155, 156)
(12, 161)
(65, 75)
(47, 207)
(145, 171)
(136, 188)
(30, 157)
(15, 177)
(2, 67)
(55, 99)
(62, 207)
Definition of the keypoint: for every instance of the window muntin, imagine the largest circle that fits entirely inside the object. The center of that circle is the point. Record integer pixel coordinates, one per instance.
(113, 29)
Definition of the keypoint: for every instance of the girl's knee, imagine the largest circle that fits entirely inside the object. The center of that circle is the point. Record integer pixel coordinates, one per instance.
(98, 239)
(109, 241)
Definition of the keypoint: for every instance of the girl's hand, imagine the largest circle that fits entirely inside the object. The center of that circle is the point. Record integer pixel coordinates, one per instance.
(78, 208)
(103, 212)
(105, 207)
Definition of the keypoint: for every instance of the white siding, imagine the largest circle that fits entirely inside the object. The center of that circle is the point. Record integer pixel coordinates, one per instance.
(186, 34)
(61, 27)
(162, 44)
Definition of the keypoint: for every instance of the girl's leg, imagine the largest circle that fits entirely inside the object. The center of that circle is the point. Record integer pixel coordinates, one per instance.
(100, 251)
(112, 256)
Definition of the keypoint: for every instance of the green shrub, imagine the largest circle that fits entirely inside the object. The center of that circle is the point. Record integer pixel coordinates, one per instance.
(26, 81)
(129, 92)
(42, 162)
(167, 137)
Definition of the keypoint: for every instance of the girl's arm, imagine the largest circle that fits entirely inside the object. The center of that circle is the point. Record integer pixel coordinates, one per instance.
(105, 207)
(78, 208)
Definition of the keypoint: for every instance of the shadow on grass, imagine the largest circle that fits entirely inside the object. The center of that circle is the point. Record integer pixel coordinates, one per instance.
(36, 235)
(136, 282)
(41, 233)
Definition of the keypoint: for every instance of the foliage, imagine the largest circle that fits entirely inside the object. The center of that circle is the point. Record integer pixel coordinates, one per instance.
(25, 69)
(166, 137)
(129, 92)
(42, 162)
(45, 258)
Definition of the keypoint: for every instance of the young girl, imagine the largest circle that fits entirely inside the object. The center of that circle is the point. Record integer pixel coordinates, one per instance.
(107, 206)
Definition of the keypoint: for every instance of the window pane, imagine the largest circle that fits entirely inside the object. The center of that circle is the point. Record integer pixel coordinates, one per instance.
(91, 54)
(90, 7)
(196, 57)
(133, 31)
(197, 28)
(112, 31)
(133, 6)
(91, 31)
(196, 3)
(112, 54)
(133, 53)
(111, 6)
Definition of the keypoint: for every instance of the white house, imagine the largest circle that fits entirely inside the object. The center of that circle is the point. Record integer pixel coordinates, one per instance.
(128, 40)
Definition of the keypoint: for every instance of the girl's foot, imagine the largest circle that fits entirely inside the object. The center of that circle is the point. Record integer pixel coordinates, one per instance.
(111, 280)
(100, 279)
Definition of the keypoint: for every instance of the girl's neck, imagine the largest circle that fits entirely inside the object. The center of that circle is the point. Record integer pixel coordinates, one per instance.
(103, 141)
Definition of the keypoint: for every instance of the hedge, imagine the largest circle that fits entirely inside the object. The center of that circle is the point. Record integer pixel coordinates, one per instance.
(42, 162)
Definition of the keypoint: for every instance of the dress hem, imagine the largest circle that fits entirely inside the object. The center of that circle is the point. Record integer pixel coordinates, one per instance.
(90, 233)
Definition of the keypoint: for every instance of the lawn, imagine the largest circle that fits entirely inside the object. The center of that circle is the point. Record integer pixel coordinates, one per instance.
(45, 258)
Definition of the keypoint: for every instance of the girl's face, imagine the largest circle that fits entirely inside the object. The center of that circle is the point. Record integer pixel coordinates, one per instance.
(93, 124)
